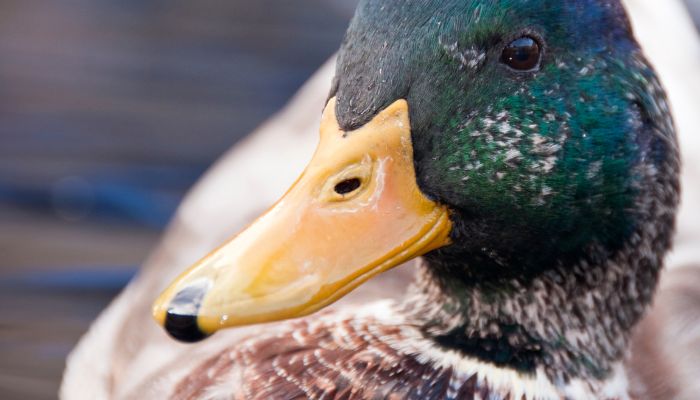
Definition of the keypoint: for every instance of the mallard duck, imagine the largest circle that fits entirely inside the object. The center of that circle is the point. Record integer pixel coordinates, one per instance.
(415, 346)
(524, 149)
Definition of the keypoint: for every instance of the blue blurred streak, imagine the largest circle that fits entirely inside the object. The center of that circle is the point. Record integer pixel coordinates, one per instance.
(130, 194)
(110, 279)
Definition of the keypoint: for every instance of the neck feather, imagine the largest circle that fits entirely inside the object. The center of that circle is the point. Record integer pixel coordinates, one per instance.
(572, 321)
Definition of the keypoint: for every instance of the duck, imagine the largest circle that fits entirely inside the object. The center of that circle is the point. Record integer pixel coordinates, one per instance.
(532, 166)
(524, 150)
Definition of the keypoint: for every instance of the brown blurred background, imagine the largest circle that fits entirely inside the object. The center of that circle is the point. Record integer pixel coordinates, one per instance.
(109, 111)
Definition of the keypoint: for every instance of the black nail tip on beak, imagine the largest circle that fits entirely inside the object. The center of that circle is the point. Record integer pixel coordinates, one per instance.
(181, 318)
(184, 328)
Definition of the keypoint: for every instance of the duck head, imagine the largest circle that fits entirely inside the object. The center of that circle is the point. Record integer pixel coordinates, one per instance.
(523, 148)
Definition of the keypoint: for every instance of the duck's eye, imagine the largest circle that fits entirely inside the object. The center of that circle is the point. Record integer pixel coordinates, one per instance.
(522, 54)
(347, 186)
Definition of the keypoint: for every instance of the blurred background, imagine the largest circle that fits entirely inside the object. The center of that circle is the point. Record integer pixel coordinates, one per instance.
(109, 112)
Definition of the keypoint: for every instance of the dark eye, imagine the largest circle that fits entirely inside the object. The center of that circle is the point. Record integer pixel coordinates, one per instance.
(522, 54)
(347, 186)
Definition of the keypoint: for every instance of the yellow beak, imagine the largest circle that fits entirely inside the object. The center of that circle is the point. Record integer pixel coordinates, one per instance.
(355, 212)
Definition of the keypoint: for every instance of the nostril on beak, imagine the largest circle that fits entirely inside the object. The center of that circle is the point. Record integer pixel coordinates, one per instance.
(347, 186)
(181, 318)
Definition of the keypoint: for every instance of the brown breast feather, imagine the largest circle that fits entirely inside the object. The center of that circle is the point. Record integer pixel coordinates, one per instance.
(349, 359)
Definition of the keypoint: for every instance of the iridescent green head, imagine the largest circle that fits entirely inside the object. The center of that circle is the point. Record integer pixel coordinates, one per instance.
(535, 121)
